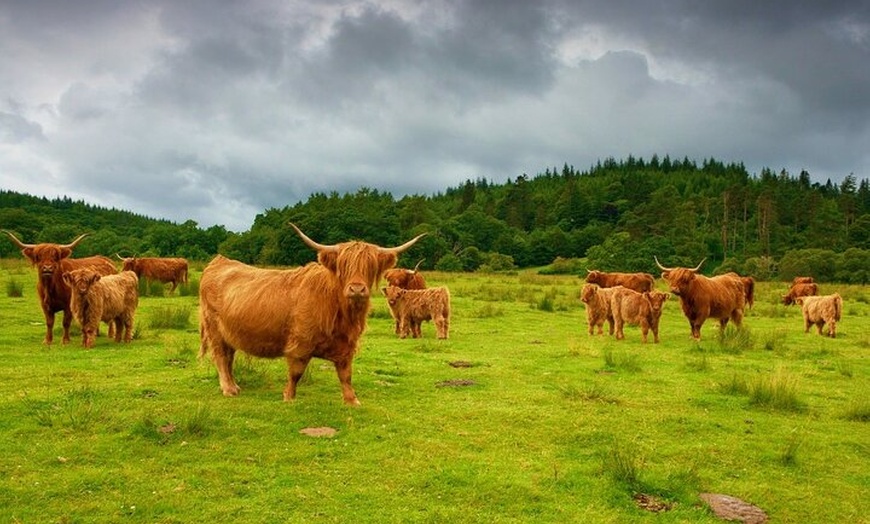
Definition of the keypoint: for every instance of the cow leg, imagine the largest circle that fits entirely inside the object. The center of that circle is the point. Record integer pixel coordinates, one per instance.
(223, 355)
(832, 329)
(344, 370)
(819, 326)
(619, 326)
(644, 331)
(610, 324)
(295, 370)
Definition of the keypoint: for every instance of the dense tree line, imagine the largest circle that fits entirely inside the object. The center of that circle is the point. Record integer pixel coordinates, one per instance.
(617, 215)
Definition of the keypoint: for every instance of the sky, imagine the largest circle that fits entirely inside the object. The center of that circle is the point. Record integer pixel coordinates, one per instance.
(215, 111)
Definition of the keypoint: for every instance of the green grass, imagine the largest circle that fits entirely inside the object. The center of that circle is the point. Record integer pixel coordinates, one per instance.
(544, 424)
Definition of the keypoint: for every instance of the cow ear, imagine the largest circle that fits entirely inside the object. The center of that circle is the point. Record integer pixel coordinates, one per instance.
(386, 261)
(95, 278)
(65, 252)
(28, 252)
(328, 259)
(65, 278)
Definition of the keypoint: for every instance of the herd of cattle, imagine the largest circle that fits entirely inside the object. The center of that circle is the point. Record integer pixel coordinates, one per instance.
(320, 309)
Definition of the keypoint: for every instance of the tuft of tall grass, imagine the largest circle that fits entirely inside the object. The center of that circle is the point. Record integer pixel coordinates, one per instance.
(789, 455)
(776, 391)
(622, 463)
(619, 360)
(170, 317)
(189, 288)
(200, 423)
(488, 310)
(699, 364)
(734, 386)
(14, 288)
(857, 411)
(78, 410)
(735, 340)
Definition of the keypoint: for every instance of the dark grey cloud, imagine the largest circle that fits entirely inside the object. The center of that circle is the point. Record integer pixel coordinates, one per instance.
(214, 111)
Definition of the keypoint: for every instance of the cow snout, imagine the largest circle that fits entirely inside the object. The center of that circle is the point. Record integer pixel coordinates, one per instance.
(357, 291)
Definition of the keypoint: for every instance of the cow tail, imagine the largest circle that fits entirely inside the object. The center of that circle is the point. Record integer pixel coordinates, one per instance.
(750, 292)
(838, 307)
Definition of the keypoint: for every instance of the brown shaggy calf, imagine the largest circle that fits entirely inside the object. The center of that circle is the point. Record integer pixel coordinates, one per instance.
(597, 300)
(411, 307)
(802, 280)
(405, 279)
(800, 290)
(820, 310)
(95, 298)
(643, 309)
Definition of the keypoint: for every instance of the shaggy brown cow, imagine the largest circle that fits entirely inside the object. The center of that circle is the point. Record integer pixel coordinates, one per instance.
(748, 288)
(405, 279)
(637, 309)
(639, 282)
(51, 260)
(411, 307)
(802, 280)
(167, 270)
(597, 300)
(722, 297)
(800, 290)
(820, 310)
(318, 310)
(95, 298)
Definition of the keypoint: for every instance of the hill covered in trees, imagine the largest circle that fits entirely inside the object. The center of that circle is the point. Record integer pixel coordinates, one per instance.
(617, 215)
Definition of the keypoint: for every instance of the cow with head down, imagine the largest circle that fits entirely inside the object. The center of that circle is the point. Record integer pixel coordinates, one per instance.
(800, 289)
(640, 282)
(171, 271)
(52, 261)
(318, 310)
(721, 297)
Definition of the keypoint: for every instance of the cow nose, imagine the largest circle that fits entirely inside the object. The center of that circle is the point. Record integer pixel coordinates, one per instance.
(357, 290)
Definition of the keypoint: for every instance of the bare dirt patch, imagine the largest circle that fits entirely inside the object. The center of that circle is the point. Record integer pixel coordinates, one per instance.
(324, 431)
(731, 508)
(456, 382)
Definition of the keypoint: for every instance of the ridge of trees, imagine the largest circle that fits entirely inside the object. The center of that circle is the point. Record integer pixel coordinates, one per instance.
(616, 215)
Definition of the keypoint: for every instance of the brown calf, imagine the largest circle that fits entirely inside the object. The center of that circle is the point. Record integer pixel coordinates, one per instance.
(821, 310)
(643, 309)
(95, 298)
(597, 300)
(167, 270)
(410, 307)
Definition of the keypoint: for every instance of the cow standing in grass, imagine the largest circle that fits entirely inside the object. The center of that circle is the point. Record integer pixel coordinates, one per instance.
(95, 298)
(318, 310)
(52, 261)
(597, 300)
(167, 270)
(639, 282)
(405, 279)
(637, 309)
(721, 297)
(411, 307)
(800, 289)
(821, 310)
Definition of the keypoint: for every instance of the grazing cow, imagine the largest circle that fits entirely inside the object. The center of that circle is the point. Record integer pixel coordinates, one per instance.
(597, 300)
(800, 290)
(821, 310)
(318, 310)
(639, 282)
(643, 309)
(96, 298)
(166, 270)
(405, 279)
(802, 280)
(722, 297)
(52, 261)
(410, 307)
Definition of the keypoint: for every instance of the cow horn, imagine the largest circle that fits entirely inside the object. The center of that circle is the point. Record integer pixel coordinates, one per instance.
(404, 247)
(699, 264)
(19, 243)
(663, 268)
(75, 242)
(418, 265)
(310, 243)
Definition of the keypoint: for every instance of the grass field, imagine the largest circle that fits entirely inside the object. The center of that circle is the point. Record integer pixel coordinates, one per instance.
(542, 423)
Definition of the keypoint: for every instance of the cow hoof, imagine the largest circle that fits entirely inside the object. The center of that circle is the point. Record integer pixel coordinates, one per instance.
(231, 392)
(352, 402)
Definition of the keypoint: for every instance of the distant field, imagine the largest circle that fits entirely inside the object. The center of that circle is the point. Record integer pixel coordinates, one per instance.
(541, 423)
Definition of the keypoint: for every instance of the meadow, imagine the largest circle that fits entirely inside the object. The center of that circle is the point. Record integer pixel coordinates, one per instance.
(520, 416)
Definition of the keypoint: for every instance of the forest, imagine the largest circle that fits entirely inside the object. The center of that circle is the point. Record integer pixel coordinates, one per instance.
(616, 216)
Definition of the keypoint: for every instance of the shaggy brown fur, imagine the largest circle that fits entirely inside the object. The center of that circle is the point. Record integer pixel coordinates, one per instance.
(637, 309)
(639, 282)
(821, 310)
(801, 289)
(597, 300)
(168, 270)
(722, 297)
(411, 307)
(51, 260)
(318, 310)
(95, 298)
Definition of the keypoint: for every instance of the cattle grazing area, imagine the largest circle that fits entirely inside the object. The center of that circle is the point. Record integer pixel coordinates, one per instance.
(519, 416)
